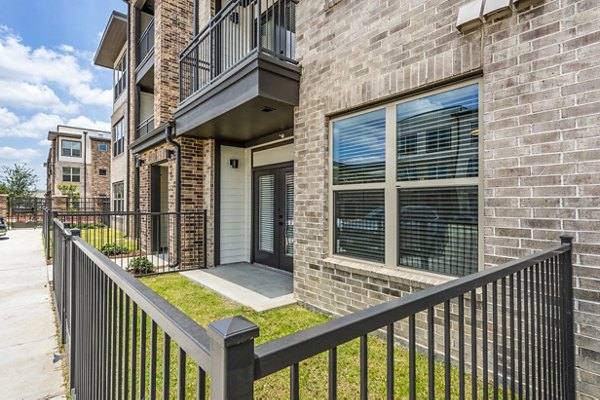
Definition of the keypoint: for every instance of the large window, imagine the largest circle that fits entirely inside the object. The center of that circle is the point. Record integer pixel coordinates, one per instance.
(120, 76)
(118, 196)
(71, 174)
(70, 148)
(418, 205)
(119, 137)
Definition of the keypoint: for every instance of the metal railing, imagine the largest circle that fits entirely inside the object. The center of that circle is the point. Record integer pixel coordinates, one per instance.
(144, 243)
(89, 204)
(145, 43)
(145, 127)
(509, 329)
(118, 334)
(232, 35)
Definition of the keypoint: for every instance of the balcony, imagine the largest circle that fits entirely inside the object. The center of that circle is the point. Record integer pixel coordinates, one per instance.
(145, 127)
(239, 78)
(145, 52)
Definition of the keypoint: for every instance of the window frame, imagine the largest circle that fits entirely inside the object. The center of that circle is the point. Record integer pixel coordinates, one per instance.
(71, 174)
(102, 174)
(62, 148)
(118, 143)
(102, 145)
(118, 200)
(392, 185)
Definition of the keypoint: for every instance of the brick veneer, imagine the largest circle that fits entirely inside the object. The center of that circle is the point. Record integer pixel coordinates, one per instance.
(99, 186)
(541, 154)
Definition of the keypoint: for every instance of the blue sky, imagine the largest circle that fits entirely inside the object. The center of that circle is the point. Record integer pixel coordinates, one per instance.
(47, 76)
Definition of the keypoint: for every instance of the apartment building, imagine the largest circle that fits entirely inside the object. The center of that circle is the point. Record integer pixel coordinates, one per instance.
(81, 157)
(112, 54)
(373, 148)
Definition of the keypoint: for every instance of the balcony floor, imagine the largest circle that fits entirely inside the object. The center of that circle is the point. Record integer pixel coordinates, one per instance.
(258, 287)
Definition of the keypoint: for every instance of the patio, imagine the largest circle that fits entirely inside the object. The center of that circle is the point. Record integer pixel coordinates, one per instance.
(256, 286)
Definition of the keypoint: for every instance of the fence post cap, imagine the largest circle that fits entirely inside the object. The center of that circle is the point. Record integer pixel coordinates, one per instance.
(232, 331)
(566, 239)
(76, 232)
(67, 225)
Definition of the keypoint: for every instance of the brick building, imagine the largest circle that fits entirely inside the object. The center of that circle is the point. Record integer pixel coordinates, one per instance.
(374, 148)
(80, 157)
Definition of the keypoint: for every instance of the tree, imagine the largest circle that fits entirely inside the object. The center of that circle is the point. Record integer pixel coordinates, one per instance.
(18, 180)
(70, 190)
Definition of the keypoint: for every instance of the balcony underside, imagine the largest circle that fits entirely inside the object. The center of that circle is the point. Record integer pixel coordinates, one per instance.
(254, 99)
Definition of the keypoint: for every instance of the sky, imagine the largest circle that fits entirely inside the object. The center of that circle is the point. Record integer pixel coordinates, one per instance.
(47, 76)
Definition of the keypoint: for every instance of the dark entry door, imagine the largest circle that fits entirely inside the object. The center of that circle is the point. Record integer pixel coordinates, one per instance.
(273, 216)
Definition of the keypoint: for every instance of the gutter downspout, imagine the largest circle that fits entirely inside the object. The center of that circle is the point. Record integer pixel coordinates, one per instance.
(169, 133)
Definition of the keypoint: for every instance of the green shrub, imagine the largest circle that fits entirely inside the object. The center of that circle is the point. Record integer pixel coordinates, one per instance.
(113, 249)
(140, 265)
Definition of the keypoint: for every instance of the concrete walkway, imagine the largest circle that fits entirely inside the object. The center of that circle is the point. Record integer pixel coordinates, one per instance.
(30, 366)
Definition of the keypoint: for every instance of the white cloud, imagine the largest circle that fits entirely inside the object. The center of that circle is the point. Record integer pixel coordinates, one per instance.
(12, 155)
(23, 95)
(7, 119)
(85, 122)
(19, 62)
(40, 124)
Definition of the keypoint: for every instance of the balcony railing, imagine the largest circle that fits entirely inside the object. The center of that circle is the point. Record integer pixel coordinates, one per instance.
(146, 42)
(232, 35)
(145, 127)
(120, 86)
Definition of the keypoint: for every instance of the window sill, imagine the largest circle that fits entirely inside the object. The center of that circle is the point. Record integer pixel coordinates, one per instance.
(381, 271)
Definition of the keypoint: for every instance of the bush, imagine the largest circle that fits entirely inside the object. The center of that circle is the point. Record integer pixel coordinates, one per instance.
(113, 249)
(141, 265)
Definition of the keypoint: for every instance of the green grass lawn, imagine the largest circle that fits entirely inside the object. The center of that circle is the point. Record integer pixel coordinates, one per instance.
(98, 237)
(204, 307)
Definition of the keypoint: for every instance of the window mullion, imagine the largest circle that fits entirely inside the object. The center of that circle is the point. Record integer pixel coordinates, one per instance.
(391, 230)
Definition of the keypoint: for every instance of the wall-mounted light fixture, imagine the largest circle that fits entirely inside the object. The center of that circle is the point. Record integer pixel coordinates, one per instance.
(169, 153)
(234, 163)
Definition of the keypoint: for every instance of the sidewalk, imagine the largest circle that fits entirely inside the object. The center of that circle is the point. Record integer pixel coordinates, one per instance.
(30, 367)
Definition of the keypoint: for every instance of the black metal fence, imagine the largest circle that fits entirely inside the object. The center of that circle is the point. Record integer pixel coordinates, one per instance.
(509, 329)
(144, 243)
(89, 204)
(233, 34)
(24, 212)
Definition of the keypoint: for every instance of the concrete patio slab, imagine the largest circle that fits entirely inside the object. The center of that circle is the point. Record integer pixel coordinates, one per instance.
(29, 351)
(258, 287)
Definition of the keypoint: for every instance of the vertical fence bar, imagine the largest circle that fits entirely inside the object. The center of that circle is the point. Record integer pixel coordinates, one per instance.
(181, 360)
(364, 376)
(567, 298)
(474, 394)
(495, 337)
(461, 346)
(390, 361)
(430, 353)
(484, 339)
(166, 366)
(332, 374)
(447, 350)
(411, 358)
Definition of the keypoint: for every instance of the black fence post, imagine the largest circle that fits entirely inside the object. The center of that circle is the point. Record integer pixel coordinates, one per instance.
(232, 358)
(567, 317)
(65, 263)
(74, 265)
